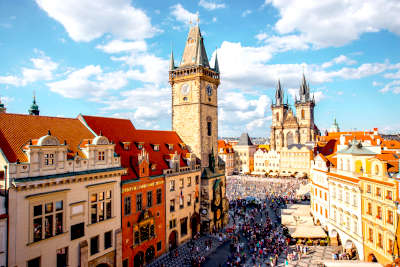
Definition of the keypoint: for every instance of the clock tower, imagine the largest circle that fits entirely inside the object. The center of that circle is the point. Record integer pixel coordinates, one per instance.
(195, 118)
(194, 98)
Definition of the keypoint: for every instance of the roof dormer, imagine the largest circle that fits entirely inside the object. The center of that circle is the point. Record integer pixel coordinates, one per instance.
(48, 140)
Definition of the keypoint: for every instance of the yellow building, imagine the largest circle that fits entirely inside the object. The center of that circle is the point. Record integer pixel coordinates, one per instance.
(379, 196)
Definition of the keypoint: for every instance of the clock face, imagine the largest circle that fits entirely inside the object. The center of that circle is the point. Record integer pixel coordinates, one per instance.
(185, 89)
(209, 90)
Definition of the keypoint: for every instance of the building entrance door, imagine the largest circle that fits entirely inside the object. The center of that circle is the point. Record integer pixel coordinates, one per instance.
(172, 240)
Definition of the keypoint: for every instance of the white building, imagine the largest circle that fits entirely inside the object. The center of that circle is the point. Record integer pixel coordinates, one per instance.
(260, 161)
(319, 190)
(345, 197)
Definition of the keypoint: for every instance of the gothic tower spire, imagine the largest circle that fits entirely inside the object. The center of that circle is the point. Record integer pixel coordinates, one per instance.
(216, 65)
(172, 62)
(279, 94)
(2, 107)
(195, 52)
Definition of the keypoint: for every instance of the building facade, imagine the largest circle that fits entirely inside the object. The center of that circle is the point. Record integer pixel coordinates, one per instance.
(195, 119)
(289, 128)
(379, 212)
(260, 161)
(295, 160)
(63, 187)
(155, 160)
(3, 226)
(244, 154)
(227, 155)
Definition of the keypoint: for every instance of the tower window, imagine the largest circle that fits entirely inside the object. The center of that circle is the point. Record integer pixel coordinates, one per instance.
(302, 114)
(277, 116)
(209, 128)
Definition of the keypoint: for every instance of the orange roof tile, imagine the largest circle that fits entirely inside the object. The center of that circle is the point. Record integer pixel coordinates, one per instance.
(122, 131)
(227, 148)
(17, 129)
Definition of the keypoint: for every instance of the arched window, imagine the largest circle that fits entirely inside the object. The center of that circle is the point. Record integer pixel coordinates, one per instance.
(376, 169)
(302, 114)
(289, 138)
(277, 116)
(209, 126)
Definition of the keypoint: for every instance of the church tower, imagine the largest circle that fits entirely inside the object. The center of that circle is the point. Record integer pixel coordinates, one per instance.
(195, 118)
(194, 98)
(279, 110)
(34, 108)
(305, 113)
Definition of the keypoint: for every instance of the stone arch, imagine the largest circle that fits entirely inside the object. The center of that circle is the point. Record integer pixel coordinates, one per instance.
(138, 260)
(351, 249)
(150, 253)
(372, 258)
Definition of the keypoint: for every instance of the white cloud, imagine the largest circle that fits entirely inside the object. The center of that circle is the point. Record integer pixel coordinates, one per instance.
(246, 13)
(11, 80)
(211, 5)
(137, 107)
(393, 86)
(214, 19)
(261, 36)
(42, 70)
(342, 59)
(336, 22)
(90, 82)
(85, 20)
(183, 15)
(318, 96)
(6, 100)
(118, 46)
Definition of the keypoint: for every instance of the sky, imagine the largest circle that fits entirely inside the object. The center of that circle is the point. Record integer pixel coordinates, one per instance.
(111, 58)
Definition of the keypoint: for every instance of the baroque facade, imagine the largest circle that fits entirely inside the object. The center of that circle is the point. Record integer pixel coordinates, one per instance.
(195, 118)
(63, 186)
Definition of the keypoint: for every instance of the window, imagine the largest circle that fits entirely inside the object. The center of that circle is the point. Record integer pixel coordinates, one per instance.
(171, 185)
(140, 146)
(379, 212)
(369, 210)
(302, 114)
(380, 244)
(156, 147)
(48, 159)
(189, 181)
(325, 196)
(34, 262)
(172, 205)
(355, 228)
(159, 196)
(389, 195)
(209, 130)
(125, 263)
(197, 179)
(139, 202)
(189, 202)
(348, 222)
(347, 200)
(77, 230)
(137, 237)
(100, 206)
(390, 246)
(100, 155)
(47, 220)
(378, 191)
(107, 239)
(94, 245)
(149, 199)
(127, 206)
(159, 246)
(390, 216)
(355, 203)
(370, 235)
(369, 189)
(182, 183)
(172, 223)
(181, 200)
(183, 227)
(144, 232)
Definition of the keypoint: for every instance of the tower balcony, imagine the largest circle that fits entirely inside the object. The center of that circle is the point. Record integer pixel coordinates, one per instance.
(193, 71)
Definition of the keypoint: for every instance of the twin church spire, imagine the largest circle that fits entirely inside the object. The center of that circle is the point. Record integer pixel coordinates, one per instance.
(304, 94)
(195, 53)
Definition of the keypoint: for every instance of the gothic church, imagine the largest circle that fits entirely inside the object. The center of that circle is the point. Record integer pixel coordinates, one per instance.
(290, 128)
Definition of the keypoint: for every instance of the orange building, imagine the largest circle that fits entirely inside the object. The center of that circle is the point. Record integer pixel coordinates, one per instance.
(145, 154)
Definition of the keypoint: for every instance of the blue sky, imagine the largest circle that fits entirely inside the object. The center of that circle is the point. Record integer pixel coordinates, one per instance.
(110, 58)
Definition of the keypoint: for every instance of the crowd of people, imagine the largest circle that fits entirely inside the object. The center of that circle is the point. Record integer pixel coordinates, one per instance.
(257, 237)
(240, 186)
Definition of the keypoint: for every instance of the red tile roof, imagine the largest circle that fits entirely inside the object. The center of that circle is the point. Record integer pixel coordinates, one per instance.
(392, 160)
(16, 130)
(227, 148)
(122, 131)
